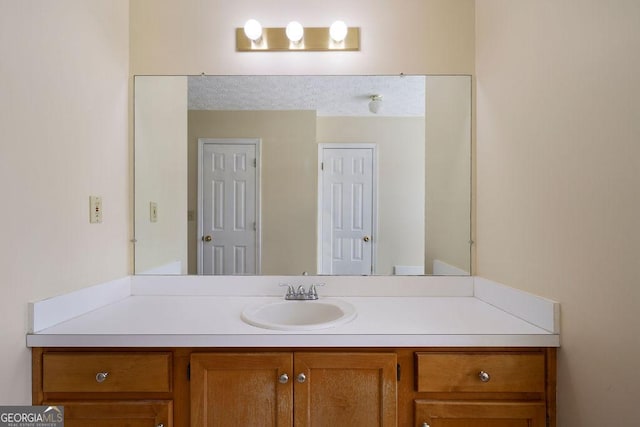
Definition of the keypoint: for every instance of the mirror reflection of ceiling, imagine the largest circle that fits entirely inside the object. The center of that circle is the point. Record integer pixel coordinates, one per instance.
(402, 96)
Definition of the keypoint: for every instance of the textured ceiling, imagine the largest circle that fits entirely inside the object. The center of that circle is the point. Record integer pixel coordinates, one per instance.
(328, 95)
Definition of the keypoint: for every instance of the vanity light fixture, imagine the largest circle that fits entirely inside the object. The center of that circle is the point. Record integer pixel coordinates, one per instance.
(295, 32)
(338, 31)
(253, 30)
(296, 38)
(375, 103)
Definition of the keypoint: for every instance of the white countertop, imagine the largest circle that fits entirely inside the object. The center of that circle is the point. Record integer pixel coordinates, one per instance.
(204, 315)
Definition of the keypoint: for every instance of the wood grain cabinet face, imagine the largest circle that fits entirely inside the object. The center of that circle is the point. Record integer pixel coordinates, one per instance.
(479, 414)
(301, 389)
(117, 414)
(346, 389)
(106, 372)
(106, 389)
(481, 372)
(241, 389)
(481, 389)
(437, 387)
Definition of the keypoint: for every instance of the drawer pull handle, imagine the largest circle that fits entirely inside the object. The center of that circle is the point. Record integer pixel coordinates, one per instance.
(484, 376)
(101, 376)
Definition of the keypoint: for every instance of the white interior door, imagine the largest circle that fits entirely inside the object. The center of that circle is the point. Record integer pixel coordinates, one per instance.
(228, 202)
(347, 210)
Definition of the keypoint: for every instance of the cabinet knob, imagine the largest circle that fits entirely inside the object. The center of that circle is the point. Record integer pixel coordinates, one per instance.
(284, 378)
(484, 376)
(301, 377)
(101, 376)
(160, 425)
(425, 424)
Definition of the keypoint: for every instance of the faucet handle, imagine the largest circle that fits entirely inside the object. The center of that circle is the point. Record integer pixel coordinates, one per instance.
(313, 292)
(290, 290)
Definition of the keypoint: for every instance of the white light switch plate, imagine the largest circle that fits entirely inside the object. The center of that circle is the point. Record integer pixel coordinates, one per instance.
(95, 209)
(153, 211)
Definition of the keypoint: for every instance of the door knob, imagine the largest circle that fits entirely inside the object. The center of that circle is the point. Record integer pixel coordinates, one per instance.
(206, 238)
(365, 238)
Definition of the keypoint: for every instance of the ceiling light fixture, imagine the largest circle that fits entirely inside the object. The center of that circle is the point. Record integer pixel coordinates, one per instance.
(375, 103)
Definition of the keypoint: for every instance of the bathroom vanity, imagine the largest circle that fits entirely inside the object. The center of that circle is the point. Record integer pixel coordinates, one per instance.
(154, 352)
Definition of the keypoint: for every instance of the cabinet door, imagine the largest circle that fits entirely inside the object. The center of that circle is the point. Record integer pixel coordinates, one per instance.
(117, 413)
(241, 389)
(345, 389)
(479, 414)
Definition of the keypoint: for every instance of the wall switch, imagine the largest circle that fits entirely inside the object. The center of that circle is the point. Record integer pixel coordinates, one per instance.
(95, 209)
(153, 211)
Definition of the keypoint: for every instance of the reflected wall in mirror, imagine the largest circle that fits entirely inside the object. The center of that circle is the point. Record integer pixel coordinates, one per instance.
(400, 205)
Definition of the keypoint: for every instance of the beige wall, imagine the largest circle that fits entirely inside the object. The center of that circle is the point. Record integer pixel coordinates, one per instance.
(448, 166)
(160, 172)
(400, 149)
(558, 155)
(289, 181)
(198, 36)
(63, 115)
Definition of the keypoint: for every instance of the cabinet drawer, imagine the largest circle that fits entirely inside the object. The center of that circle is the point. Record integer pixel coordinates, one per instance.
(106, 372)
(472, 413)
(465, 372)
(147, 413)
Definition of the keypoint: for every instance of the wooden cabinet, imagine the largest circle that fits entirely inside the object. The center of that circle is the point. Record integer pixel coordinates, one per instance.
(106, 372)
(433, 413)
(345, 389)
(233, 389)
(485, 388)
(306, 388)
(117, 413)
(182, 387)
(115, 389)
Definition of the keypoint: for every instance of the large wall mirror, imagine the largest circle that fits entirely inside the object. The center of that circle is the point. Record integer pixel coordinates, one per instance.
(291, 175)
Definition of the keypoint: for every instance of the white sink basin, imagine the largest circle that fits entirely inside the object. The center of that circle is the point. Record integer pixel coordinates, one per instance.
(299, 315)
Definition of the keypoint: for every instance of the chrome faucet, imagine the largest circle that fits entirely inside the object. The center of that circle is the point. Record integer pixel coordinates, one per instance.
(300, 294)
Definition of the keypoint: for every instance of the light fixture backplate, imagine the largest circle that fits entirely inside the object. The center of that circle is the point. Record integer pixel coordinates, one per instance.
(315, 39)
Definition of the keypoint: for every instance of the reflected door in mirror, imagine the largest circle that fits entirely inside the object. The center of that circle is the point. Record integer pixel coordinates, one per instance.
(228, 200)
(347, 210)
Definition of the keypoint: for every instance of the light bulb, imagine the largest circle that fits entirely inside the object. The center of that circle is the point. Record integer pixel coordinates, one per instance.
(338, 31)
(253, 30)
(295, 31)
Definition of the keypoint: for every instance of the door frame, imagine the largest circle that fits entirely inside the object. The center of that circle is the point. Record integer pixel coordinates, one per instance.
(257, 142)
(374, 203)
